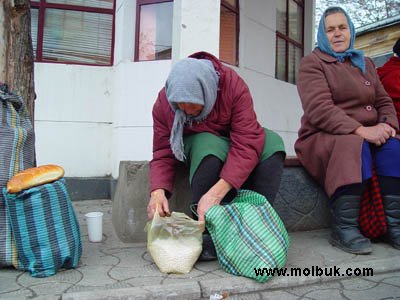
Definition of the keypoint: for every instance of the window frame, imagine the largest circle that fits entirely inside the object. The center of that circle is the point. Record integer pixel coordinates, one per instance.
(236, 11)
(288, 40)
(42, 5)
(137, 26)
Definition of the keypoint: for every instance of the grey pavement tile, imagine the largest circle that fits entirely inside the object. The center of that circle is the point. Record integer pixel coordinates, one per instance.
(48, 297)
(21, 293)
(177, 279)
(253, 296)
(323, 294)
(49, 289)
(93, 256)
(302, 290)
(388, 278)
(128, 272)
(8, 283)
(379, 291)
(106, 287)
(207, 266)
(71, 276)
(95, 276)
(129, 256)
(192, 274)
(222, 274)
(279, 295)
(358, 284)
(145, 281)
(169, 292)
(395, 281)
(231, 285)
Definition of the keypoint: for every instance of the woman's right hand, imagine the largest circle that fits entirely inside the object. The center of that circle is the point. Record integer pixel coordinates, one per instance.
(377, 134)
(163, 208)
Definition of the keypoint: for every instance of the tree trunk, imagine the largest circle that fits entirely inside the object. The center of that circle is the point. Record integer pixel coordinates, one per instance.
(16, 53)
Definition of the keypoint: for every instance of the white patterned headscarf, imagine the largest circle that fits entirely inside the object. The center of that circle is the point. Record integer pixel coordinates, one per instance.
(191, 81)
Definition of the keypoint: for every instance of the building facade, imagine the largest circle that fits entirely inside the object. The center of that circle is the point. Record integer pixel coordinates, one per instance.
(101, 63)
(377, 39)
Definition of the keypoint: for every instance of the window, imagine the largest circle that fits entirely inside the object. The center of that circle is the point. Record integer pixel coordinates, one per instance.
(73, 31)
(229, 32)
(289, 38)
(153, 30)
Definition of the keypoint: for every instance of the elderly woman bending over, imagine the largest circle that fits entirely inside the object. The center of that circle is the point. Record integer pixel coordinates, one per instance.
(205, 117)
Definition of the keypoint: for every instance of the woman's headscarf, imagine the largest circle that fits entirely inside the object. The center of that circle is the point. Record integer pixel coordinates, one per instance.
(356, 56)
(191, 81)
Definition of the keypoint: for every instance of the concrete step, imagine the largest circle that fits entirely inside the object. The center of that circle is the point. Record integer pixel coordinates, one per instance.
(300, 202)
(116, 270)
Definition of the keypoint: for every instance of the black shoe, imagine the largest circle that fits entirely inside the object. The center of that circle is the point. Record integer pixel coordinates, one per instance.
(208, 253)
(345, 232)
(391, 204)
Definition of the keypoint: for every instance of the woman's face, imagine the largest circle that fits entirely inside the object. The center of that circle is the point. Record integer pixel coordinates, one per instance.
(338, 32)
(190, 109)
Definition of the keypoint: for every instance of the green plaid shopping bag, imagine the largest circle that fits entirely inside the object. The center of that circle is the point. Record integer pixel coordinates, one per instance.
(248, 234)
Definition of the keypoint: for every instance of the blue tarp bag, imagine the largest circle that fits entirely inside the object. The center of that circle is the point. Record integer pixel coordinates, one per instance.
(45, 228)
(17, 152)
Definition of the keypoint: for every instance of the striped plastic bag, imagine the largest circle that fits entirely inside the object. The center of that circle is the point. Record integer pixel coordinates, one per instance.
(17, 143)
(248, 235)
(45, 228)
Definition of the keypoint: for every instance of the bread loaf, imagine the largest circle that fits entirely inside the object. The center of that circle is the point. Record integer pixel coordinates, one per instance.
(33, 177)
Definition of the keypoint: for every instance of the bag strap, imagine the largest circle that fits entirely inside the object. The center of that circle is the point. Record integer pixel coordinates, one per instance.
(6, 95)
(193, 209)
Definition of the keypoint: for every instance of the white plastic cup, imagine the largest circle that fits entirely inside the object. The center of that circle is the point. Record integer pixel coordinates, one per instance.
(94, 222)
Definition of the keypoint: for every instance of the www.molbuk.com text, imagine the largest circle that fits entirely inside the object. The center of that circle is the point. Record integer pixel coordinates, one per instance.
(314, 271)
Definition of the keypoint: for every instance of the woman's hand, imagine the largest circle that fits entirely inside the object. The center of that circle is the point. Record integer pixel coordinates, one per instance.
(163, 208)
(377, 134)
(213, 197)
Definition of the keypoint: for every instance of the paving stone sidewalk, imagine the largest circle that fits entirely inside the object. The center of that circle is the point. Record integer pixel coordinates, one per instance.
(115, 270)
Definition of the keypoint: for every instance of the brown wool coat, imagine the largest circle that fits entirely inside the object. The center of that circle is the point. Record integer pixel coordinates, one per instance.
(337, 98)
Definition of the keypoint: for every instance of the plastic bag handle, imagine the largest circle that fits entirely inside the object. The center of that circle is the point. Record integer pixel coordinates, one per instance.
(193, 209)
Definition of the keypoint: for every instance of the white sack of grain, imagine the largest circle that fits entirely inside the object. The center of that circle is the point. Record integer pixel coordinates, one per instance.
(174, 242)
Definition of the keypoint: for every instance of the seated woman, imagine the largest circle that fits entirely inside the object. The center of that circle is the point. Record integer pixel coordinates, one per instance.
(205, 117)
(349, 126)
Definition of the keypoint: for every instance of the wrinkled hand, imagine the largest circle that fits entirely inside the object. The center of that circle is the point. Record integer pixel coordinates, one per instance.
(213, 197)
(377, 134)
(206, 202)
(163, 208)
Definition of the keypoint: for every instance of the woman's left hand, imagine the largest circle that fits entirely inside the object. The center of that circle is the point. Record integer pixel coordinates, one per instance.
(390, 130)
(213, 197)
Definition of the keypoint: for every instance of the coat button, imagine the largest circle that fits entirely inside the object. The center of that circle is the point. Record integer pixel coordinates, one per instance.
(367, 82)
(368, 107)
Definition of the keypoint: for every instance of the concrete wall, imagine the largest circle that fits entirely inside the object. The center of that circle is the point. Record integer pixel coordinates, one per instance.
(276, 102)
(195, 27)
(88, 119)
(73, 118)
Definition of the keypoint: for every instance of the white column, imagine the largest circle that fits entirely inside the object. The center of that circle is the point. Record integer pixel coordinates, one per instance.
(309, 29)
(195, 27)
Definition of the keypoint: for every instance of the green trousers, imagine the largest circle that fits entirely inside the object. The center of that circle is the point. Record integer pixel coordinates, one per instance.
(200, 145)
